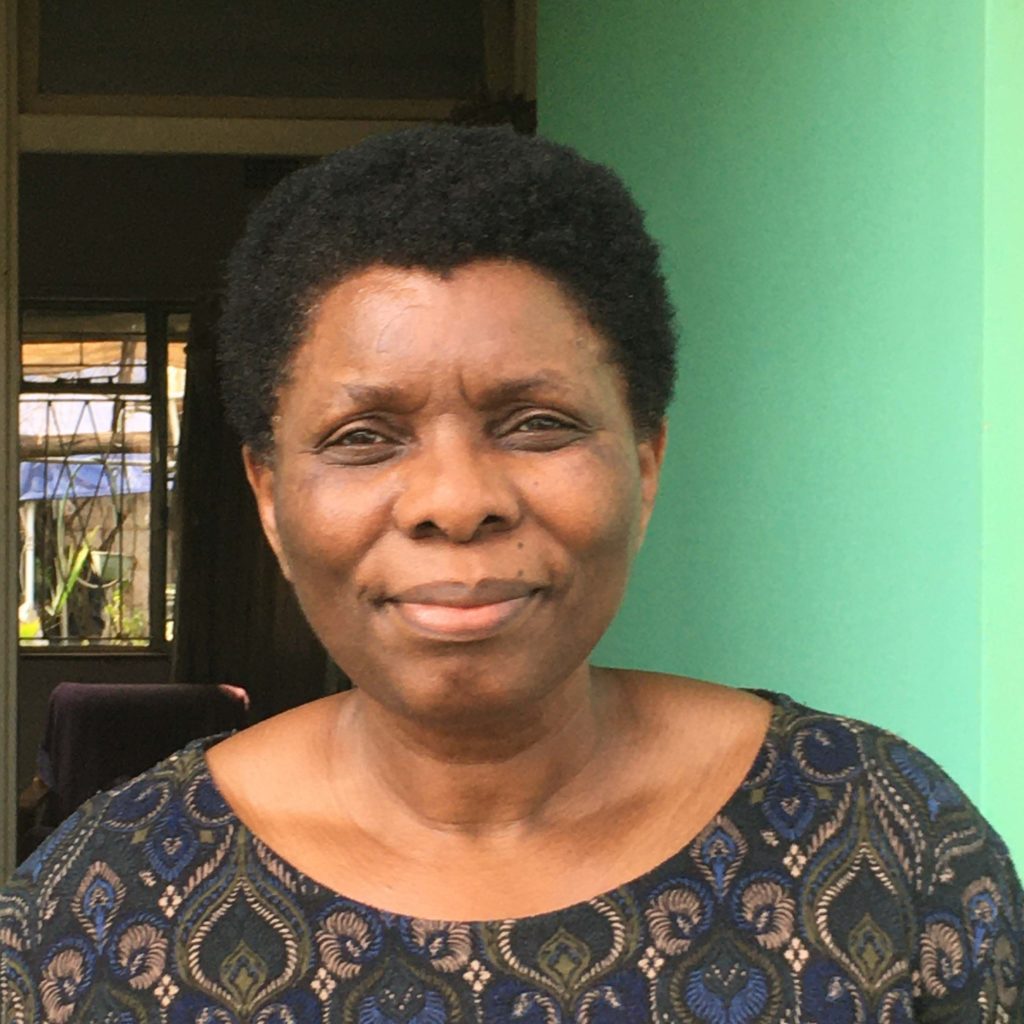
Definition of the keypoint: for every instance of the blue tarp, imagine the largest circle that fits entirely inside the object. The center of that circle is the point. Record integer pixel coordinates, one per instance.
(84, 476)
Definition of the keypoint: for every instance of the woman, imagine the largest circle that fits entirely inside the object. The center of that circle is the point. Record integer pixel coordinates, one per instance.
(448, 354)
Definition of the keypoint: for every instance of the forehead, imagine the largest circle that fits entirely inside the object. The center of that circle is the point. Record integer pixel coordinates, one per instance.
(483, 316)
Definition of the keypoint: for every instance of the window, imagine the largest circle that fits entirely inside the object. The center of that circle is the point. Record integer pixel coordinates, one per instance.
(99, 422)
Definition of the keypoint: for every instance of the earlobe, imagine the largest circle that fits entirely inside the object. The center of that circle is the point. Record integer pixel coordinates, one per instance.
(260, 474)
(651, 456)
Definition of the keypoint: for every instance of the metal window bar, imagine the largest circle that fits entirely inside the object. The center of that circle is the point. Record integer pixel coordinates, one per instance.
(156, 371)
(121, 391)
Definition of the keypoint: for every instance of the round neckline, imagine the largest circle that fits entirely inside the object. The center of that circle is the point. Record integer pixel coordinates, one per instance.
(779, 702)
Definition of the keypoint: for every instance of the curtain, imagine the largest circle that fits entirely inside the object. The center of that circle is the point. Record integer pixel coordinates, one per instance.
(237, 620)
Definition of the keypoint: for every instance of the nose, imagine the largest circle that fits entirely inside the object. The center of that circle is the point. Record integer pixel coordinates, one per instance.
(455, 491)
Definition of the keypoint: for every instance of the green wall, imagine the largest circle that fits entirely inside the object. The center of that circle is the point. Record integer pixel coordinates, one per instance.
(817, 173)
(1003, 428)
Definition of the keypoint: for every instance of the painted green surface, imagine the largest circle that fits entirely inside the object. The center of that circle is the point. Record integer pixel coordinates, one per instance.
(815, 170)
(1003, 437)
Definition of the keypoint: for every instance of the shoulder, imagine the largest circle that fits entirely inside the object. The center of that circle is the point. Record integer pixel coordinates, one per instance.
(896, 782)
(828, 748)
(884, 840)
(118, 862)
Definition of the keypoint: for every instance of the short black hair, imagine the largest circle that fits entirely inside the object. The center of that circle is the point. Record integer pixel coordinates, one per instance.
(437, 198)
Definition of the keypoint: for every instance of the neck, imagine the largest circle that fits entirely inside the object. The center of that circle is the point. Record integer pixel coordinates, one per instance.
(511, 771)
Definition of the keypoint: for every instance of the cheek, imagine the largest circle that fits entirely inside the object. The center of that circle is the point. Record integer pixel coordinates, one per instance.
(324, 528)
(593, 507)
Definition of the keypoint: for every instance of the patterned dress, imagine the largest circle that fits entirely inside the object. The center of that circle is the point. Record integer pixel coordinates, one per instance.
(846, 880)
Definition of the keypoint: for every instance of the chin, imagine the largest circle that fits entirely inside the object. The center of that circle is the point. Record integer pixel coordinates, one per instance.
(457, 697)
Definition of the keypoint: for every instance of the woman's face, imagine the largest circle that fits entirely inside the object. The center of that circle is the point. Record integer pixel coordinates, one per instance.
(456, 490)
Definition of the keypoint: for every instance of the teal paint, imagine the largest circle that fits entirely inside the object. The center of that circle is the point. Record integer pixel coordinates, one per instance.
(815, 170)
(1003, 433)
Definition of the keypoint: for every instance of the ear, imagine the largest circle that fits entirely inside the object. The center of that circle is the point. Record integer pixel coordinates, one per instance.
(260, 474)
(650, 452)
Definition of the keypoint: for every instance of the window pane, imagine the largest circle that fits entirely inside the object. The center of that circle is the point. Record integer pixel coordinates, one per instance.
(86, 480)
(84, 502)
(98, 347)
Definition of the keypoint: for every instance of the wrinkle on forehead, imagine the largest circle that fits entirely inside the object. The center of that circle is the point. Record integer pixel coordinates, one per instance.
(435, 333)
(377, 289)
(390, 331)
(494, 392)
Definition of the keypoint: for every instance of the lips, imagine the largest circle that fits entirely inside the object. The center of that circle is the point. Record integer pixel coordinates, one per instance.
(462, 595)
(458, 611)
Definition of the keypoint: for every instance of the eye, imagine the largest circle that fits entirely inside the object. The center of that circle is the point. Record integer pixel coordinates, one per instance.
(360, 437)
(360, 446)
(542, 431)
(541, 421)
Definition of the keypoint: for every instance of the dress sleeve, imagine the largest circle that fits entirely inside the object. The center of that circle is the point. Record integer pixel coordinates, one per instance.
(42, 970)
(970, 920)
(19, 997)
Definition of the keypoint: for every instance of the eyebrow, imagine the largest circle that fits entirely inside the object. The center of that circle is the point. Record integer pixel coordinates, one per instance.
(387, 396)
(505, 390)
(376, 395)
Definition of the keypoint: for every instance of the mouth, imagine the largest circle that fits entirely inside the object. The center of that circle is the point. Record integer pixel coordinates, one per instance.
(459, 612)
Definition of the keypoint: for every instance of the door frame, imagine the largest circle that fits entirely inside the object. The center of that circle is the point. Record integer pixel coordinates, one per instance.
(10, 374)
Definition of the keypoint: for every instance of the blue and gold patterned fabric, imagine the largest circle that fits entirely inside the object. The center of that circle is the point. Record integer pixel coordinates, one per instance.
(847, 880)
